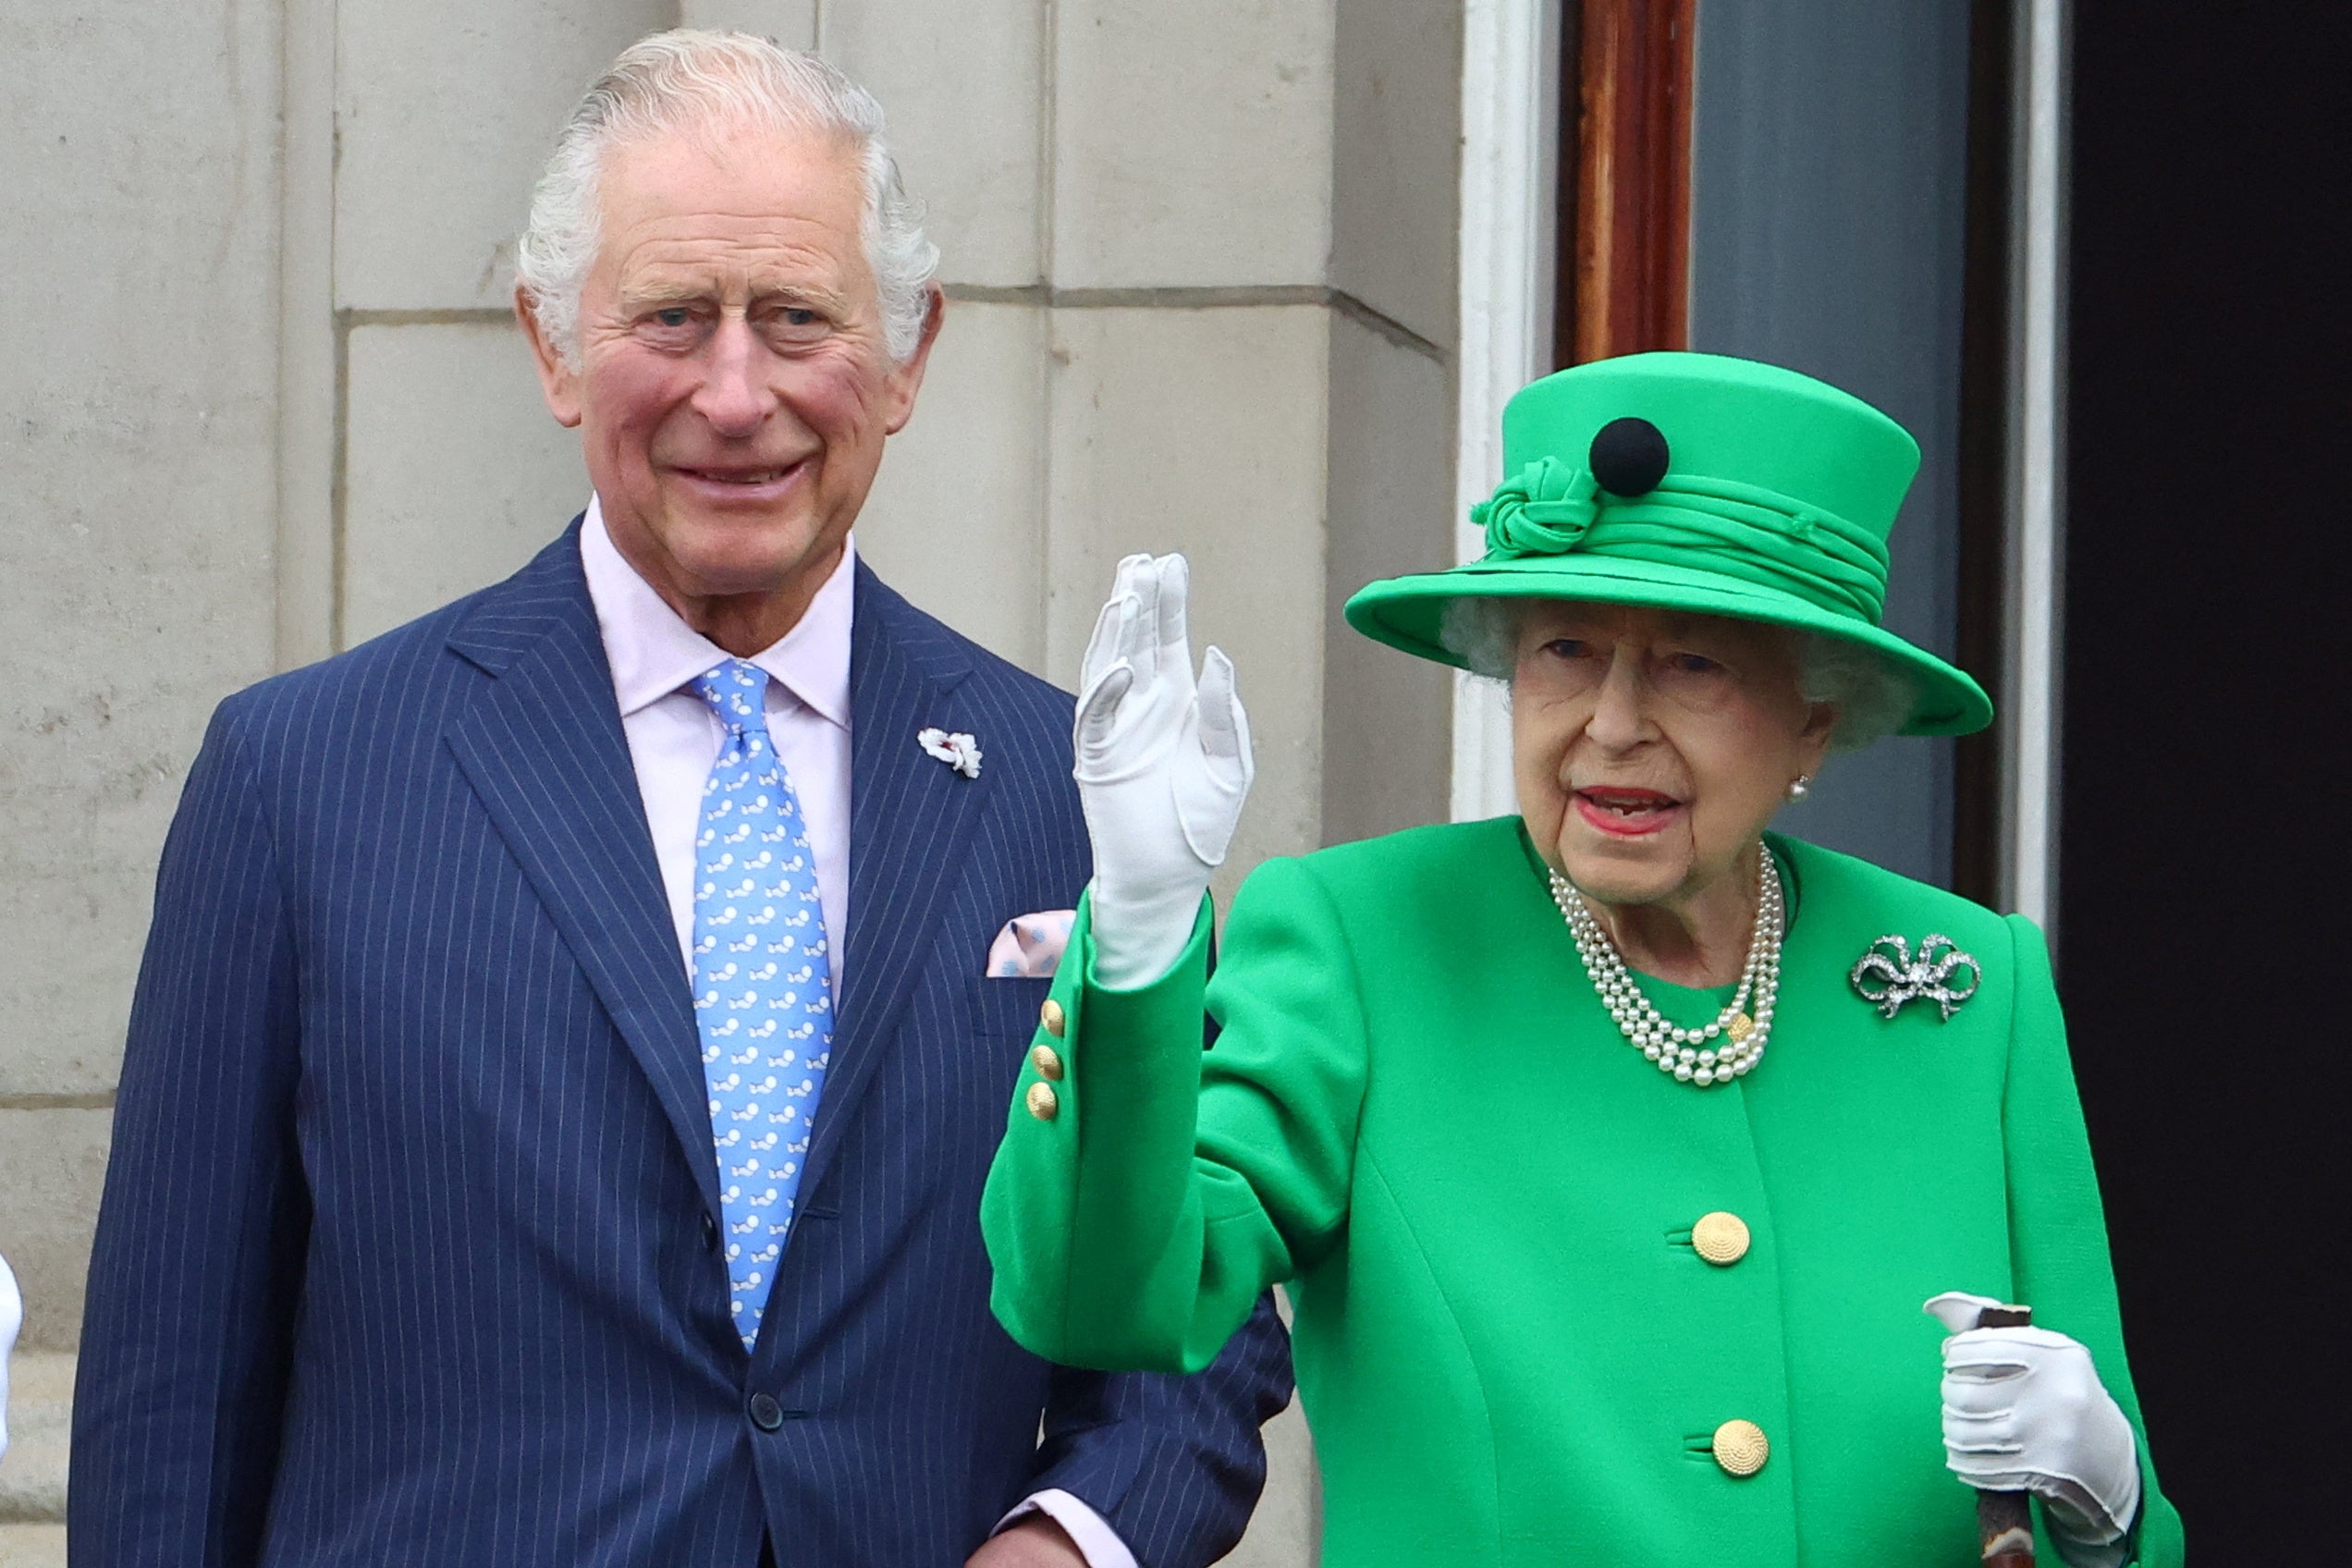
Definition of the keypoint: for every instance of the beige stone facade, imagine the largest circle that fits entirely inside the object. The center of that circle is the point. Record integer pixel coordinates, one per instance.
(265, 401)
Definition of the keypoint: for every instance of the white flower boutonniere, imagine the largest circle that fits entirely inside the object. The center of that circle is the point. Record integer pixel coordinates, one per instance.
(958, 751)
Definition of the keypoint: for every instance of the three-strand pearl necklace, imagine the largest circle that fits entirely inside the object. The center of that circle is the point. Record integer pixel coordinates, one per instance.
(1712, 1053)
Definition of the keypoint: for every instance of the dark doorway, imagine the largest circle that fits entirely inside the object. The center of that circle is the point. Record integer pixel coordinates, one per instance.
(2204, 940)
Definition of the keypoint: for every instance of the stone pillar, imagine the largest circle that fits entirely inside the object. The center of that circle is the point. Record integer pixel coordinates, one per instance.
(139, 253)
(139, 419)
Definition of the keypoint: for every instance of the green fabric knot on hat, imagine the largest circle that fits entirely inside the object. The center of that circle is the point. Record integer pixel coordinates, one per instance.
(1742, 531)
(1541, 511)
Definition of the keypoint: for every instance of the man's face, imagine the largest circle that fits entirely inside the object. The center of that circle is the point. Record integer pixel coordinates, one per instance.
(734, 390)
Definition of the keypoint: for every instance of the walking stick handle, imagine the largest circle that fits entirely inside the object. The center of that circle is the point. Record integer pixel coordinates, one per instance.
(2004, 1520)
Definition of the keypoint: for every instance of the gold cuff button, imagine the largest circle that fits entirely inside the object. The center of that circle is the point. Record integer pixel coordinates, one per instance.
(1047, 1061)
(1741, 1448)
(1053, 1018)
(1720, 1238)
(1044, 1104)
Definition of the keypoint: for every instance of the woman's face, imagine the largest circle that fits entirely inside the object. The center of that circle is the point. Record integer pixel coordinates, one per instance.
(1651, 748)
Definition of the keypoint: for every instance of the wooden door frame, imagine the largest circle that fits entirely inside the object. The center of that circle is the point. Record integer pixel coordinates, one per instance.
(1625, 170)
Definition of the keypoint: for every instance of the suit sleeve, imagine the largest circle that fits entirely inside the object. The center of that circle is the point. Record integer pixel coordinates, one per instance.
(2057, 1228)
(1136, 1226)
(201, 1228)
(1172, 1464)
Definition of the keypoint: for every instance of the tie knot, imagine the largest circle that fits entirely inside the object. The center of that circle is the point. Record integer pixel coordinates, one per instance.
(736, 692)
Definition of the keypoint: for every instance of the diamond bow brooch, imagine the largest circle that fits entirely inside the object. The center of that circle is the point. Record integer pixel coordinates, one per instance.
(1888, 977)
(958, 751)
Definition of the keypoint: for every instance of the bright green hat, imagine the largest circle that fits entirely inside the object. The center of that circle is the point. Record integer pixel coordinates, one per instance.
(1697, 482)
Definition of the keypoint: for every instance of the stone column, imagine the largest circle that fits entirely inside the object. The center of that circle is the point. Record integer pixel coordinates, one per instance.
(138, 255)
(138, 415)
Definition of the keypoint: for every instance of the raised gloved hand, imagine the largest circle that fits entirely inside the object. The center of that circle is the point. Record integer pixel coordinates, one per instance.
(2024, 1411)
(1163, 766)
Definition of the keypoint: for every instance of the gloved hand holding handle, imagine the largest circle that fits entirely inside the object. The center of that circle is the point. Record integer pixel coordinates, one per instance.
(1163, 766)
(2024, 1411)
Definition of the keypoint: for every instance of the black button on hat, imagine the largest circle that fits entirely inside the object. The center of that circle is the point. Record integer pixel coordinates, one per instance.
(1628, 457)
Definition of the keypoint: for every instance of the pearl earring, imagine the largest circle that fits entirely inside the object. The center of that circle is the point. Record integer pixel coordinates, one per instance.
(1800, 787)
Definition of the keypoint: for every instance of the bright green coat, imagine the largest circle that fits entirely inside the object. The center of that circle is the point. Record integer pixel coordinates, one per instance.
(1418, 1115)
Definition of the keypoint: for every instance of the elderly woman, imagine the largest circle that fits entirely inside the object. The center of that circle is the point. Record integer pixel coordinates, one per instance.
(1609, 1150)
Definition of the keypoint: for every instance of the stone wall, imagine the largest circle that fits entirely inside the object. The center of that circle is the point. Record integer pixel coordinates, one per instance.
(139, 423)
(265, 401)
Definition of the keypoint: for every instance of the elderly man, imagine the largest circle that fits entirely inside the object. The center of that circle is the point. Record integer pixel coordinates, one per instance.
(569, 1047)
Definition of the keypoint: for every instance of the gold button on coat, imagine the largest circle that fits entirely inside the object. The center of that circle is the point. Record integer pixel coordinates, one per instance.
(1044, 1104)
(1720, 1237)
(1048, 1062)
(1053, 1018)
(1741, 1448)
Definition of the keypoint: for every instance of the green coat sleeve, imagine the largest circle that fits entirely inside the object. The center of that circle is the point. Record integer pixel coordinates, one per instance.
(2059, 1233)
(1134, 1227)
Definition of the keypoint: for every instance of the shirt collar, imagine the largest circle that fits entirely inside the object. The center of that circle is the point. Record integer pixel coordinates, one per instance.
(653, 653)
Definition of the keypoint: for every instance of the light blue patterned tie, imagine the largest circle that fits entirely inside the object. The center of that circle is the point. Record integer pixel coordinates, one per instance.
(761, 985)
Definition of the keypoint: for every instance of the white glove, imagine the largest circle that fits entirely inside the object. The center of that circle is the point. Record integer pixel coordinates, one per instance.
(2024, 1411)
(11, 1317)
(1162, 770)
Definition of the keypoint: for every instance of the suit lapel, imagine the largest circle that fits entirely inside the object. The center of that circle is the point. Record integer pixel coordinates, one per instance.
(542, 745)
(909, 817)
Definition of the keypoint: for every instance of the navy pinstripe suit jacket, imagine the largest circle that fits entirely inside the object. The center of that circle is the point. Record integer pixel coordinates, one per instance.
(408, 1253)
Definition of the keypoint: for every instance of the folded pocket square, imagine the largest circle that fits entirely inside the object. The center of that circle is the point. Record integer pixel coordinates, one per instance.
(1030, 946)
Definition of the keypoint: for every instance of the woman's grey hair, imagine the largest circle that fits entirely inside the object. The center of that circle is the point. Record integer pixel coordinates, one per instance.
(688, 79)
(1872, 696)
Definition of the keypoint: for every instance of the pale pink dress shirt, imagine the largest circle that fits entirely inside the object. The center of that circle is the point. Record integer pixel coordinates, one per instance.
(674, 739)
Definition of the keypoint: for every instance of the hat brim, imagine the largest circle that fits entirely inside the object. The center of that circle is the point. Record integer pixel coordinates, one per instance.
(1408, 612)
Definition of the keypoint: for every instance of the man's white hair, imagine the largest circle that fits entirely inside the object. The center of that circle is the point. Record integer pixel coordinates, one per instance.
(688, 79)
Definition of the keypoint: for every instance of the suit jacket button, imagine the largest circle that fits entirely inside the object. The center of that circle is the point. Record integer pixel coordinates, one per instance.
(1047, 1061)
(710, 1233)
(1044, 1104)
(1053, 1018)
(1741, 1448)
(1720, 1238)
(766, 1415)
